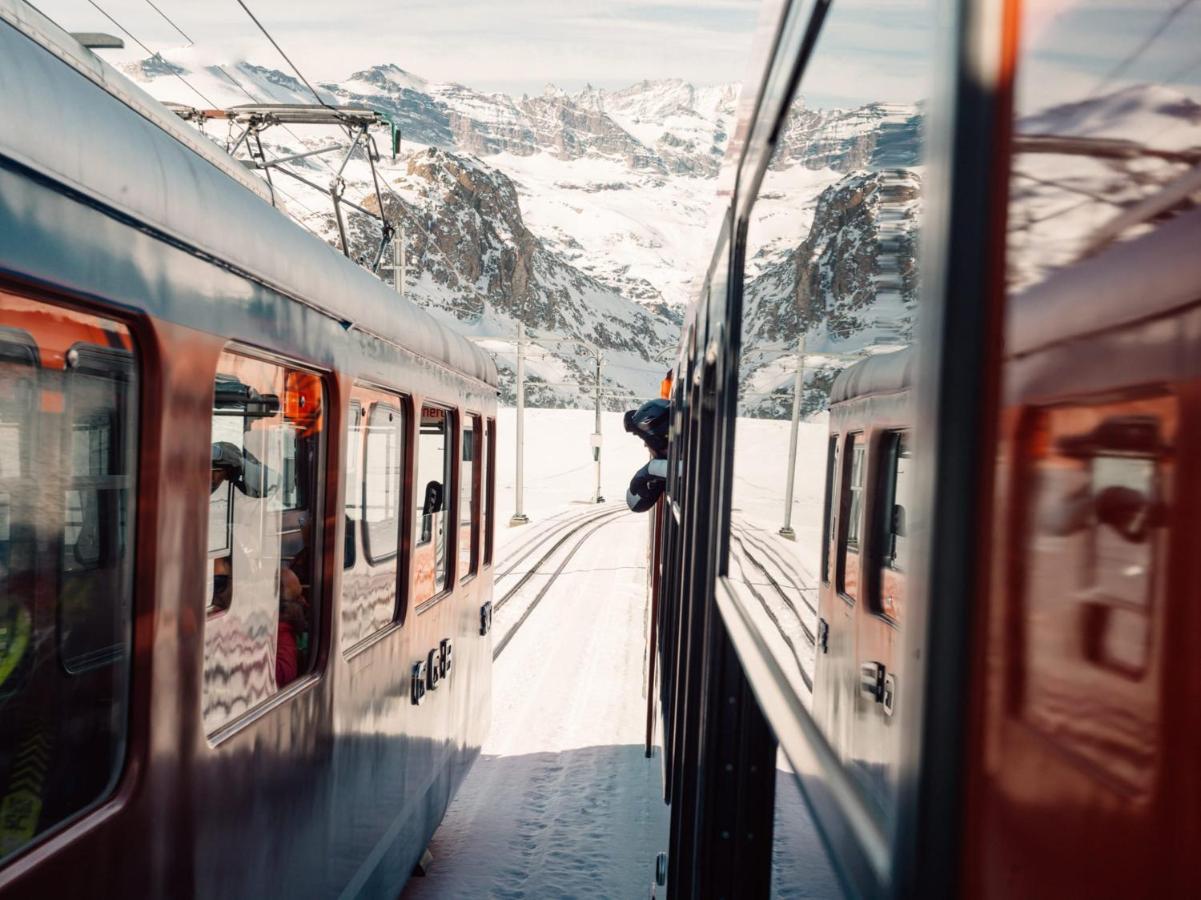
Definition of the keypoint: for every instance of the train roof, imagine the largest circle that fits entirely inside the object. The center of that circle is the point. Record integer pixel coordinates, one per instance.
(883, 373)
(1142, 278)
(182, 186)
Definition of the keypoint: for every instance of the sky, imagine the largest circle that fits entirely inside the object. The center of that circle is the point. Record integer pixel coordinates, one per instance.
(514, 46)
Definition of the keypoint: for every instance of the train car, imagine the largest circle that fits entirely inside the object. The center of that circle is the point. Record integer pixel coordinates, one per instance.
(931, 637)
(858, 653)
(246, 519)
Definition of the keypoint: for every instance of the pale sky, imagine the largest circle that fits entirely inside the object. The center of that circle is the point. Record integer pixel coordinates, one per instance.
(514, 46)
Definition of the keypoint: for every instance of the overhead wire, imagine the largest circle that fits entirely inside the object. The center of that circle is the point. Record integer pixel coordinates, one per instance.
(170, 22)
(154, 54)
(287, 59)
(1129, 60)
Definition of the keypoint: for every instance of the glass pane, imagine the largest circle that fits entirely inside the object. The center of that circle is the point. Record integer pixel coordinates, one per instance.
(384, 475)
(489, 490)
(260, 633)
(68, 433)
(433, 480)
(469, 477)
(830, 306)
(369, 580)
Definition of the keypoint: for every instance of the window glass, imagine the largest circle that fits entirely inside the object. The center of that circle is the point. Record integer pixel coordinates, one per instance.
(432, 489)
(383, 478)
(489, 492)
(68, 442)
(353, 510)
(376, 461)
(893, 511)
(829, 306)
(264, 535)
(828, 520)
(469, 490)
(852, 514)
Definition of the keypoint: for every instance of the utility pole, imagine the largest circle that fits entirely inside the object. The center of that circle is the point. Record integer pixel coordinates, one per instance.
(397, 266)
(519, 517)
(596, 437)
(401, 273)
(797, 391)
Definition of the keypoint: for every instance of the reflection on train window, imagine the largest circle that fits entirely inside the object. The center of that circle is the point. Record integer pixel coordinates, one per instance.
(489, 495)
(831, 288)
(852, 512)
(375, 474)
(68, 438)
(434, 459)
(893, 510)
(264, 535)
(1098, 488)
(469, 491)
(1090, 82)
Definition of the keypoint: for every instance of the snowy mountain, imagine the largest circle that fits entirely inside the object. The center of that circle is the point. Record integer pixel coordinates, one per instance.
(585, 216)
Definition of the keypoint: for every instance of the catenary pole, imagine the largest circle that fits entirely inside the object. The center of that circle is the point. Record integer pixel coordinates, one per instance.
(600, 361)
(797, 392)
(519, 517)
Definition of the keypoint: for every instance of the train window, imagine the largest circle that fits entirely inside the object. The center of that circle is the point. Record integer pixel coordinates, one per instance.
(435, 446)
(264, 534)
(1098, 498)
(383, 478)
(489, 494)
(828, 519)
(376, 463)
(892, 511)
(68, 442)
(852, 515)
(469, 492)
(354, 484)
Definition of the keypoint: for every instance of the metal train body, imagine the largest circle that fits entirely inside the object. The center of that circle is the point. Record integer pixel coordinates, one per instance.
(157, 739)
(1007, 708)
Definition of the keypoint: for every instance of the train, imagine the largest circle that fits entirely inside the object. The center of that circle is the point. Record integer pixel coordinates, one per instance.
(946, 650)
(247, 506)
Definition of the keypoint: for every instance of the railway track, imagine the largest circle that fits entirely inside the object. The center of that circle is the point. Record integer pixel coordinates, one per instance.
(551, 543)
(528, 547)
(745, 557)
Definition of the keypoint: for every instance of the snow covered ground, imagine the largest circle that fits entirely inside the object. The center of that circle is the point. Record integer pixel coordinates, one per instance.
(563, 801)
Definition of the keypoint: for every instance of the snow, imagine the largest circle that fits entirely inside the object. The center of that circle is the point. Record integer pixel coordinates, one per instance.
(563, 801)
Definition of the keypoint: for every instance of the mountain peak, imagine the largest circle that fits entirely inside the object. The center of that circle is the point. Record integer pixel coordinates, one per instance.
(390, 78)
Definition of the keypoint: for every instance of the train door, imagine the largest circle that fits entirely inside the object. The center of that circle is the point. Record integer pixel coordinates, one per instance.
(879, 656)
